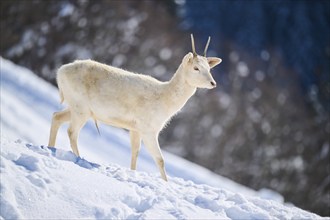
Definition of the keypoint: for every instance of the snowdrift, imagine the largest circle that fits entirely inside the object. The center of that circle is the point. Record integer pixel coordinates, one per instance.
(42, 183)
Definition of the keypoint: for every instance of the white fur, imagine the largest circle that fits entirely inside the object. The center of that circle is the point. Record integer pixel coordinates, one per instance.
(138, 103)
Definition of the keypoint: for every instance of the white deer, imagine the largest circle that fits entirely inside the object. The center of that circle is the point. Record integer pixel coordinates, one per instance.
(136, 102)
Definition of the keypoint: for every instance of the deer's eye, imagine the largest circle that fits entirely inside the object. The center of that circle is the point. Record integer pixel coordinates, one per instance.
(196, 68)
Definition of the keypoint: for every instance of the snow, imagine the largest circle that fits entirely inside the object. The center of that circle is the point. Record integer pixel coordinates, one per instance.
(38, 182)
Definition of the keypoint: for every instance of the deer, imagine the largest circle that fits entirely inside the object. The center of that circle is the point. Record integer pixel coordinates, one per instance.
(136, 102)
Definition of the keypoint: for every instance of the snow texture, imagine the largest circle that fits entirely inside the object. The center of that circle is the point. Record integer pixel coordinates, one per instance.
(38, 182)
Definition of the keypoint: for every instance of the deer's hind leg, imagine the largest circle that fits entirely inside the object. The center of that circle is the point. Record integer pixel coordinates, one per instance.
(78, 120)
(135, 144)
(58, 119)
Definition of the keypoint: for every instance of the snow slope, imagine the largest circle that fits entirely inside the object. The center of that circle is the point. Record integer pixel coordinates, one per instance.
(41, 183)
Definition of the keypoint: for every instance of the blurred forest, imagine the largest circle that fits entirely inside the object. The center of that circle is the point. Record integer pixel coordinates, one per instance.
(267, 123)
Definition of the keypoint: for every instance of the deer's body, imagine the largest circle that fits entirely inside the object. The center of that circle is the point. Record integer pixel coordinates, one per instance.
(136, 102)
(133, 101)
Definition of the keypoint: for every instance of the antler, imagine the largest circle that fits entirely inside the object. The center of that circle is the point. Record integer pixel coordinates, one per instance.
(207, 45)
(193, 45)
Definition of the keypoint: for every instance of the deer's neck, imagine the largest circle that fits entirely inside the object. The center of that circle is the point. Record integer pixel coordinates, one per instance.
(178, 91)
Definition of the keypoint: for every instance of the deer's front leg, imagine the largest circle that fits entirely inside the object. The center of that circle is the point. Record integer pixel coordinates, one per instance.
(150, 140)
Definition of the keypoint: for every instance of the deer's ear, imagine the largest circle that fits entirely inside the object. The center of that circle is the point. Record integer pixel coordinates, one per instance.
(213, 61)
(188, 58)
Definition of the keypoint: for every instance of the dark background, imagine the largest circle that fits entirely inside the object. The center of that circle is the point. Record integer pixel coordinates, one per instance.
(267, 123)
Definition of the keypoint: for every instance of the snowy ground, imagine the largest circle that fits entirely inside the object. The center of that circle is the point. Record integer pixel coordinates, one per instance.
(40, 183)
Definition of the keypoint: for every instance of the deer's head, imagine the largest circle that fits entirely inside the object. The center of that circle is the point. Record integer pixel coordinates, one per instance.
(198, 67)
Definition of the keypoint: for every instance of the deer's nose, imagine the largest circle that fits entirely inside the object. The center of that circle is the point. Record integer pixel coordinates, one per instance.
(214, 84)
